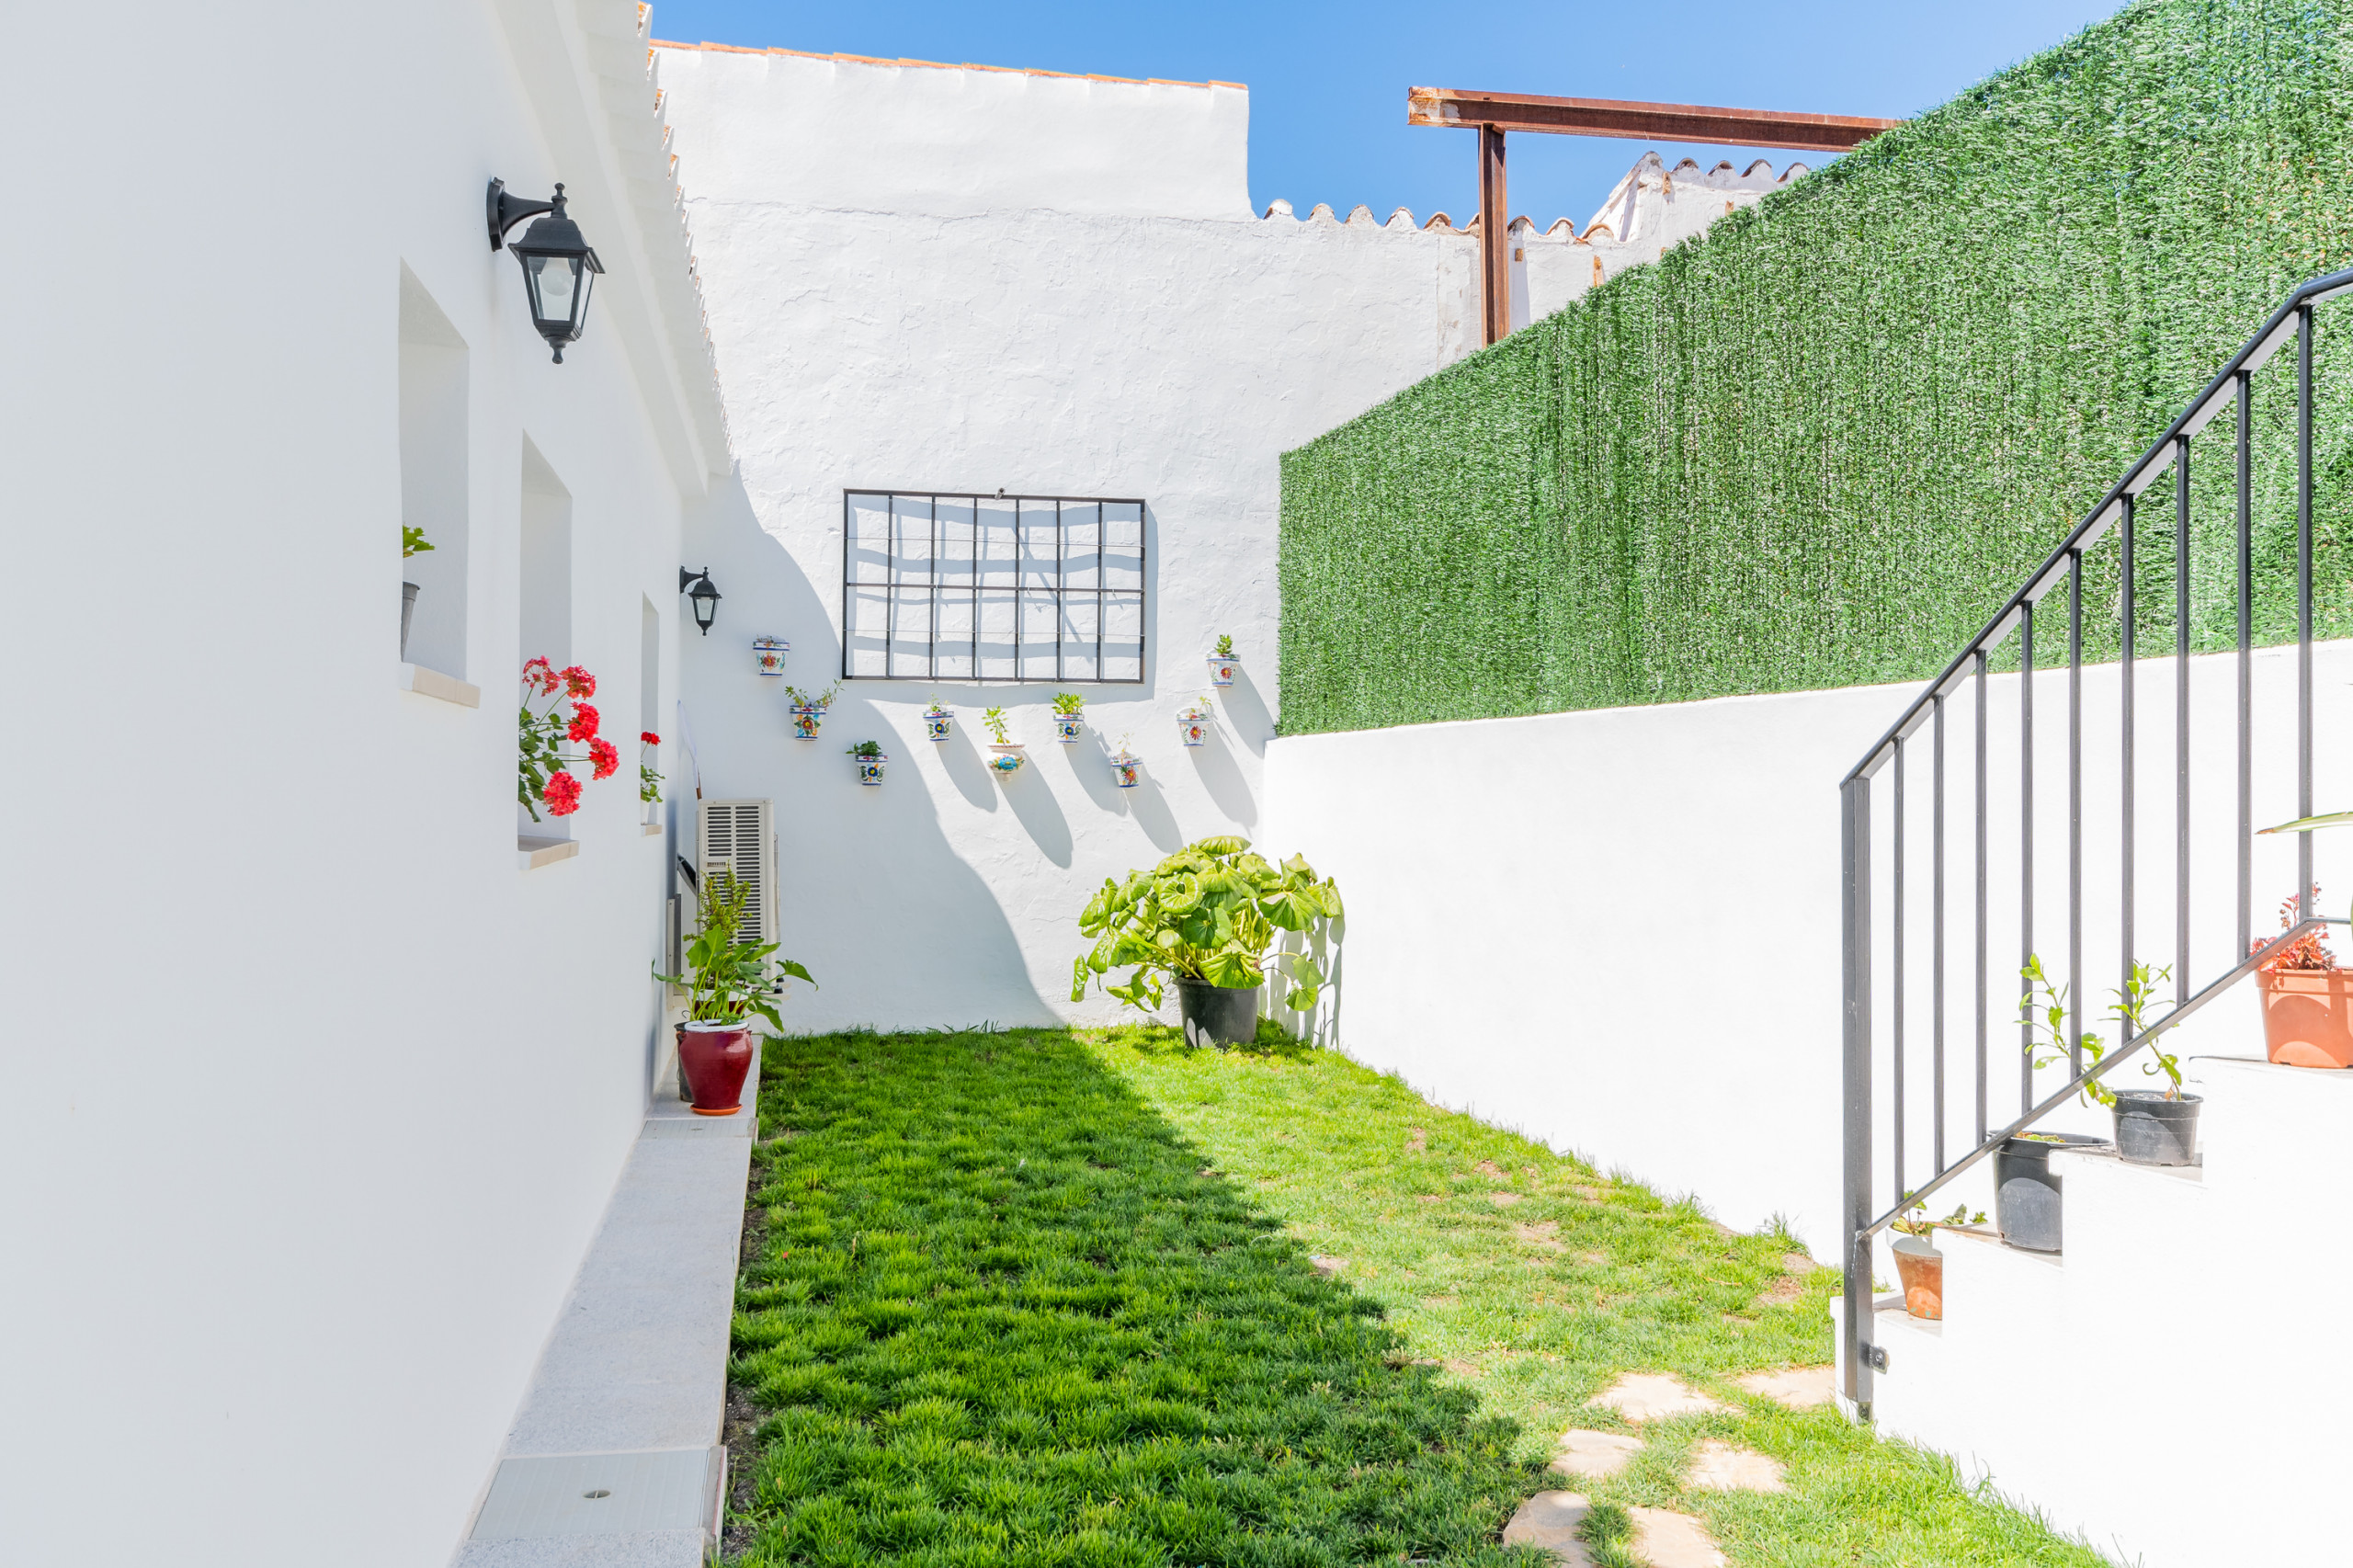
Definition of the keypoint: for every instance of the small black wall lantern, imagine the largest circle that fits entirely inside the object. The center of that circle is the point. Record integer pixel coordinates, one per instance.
(559, 267)
(704, 596)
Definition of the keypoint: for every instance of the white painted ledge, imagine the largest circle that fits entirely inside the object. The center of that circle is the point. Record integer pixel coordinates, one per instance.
(433, 684)
(531, 853)
(650, 829)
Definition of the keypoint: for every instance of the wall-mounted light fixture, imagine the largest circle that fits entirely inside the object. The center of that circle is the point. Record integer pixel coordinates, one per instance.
(703, 596)
(559, 267)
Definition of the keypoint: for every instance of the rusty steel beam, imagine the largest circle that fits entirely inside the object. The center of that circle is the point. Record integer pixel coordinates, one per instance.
(1641, 122)
(1493, 114)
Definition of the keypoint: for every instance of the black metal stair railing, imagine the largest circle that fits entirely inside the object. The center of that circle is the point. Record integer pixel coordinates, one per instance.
(1863, 1214)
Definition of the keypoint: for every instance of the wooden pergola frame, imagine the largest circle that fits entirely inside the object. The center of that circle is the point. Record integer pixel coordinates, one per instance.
(1492, 114)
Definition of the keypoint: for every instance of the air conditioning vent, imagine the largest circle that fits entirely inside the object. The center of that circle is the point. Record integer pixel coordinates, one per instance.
(739, 836)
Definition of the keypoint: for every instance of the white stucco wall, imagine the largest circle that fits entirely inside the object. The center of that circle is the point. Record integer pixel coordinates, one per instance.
(1618, 930)
(312, 1097)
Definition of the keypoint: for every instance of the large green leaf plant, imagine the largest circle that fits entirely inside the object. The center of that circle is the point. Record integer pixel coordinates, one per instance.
(1209, 913)
(725, 979)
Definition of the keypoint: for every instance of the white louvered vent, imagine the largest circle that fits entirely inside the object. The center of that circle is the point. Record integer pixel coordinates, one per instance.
(738, 835)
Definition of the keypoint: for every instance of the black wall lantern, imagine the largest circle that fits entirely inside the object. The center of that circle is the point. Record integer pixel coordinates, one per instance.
(559, 267)
(703, 595)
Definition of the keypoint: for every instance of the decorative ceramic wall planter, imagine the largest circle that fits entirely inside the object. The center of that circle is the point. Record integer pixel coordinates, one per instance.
(1193, 726)
(1008, 759)
(939, 723)
(1068, 727)
(870, 759)
(806, 718)
(1222, 667)
(1126, 769)
(769, 651)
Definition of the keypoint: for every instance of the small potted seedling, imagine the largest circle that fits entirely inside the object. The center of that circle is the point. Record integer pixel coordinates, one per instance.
(869, 761)
(2154, 1126)
(1193, 724)
(769, 654)
(809, 710)
(413, 542)
(1009, 755)
(1224, 663)
(1069, 716)
(1126, 767)
(1920, 1265)
(939, 723)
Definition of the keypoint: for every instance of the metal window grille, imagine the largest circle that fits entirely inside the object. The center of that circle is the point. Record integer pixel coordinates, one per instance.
(945, 586)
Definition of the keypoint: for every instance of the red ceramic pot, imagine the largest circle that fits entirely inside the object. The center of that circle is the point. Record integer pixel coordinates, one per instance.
(716, 1056)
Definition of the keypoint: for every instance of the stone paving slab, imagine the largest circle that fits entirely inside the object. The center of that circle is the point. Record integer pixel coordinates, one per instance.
(1664, 1539)
(1726, 1466)
(1594, 1455)
(1798, 1387)
(1550, 1520)
(632, 1383)
(1655, 1396)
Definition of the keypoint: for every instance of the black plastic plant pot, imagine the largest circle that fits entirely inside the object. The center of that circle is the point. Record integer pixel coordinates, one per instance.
(2026, 1192)
(1216, 1015)
(2153, 1130)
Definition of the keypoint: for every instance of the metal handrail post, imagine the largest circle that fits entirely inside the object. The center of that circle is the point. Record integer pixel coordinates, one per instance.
(1854, 895)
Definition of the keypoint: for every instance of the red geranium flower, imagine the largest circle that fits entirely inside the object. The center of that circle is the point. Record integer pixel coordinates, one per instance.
(578, 683)
(544, 681)
(649, 737)
(584, 723)
(561, 794)
(608, 758)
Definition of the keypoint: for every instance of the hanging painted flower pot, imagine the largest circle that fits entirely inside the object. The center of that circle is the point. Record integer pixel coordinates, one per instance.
(1193, 726)
(870, 759)
(770, 651)
(1222, 667)
(1068, 727)
(1008, 759)
(939, 723)
(1126, 769)
(806, 718)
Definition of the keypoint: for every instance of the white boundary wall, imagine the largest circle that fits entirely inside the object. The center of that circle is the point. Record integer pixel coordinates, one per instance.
(313, 1098)
(932, 277)
(1618, 931)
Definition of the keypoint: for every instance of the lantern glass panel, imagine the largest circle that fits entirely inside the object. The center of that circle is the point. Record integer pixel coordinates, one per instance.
(554, 280)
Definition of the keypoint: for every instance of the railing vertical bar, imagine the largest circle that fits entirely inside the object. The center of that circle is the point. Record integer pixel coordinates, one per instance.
(2305, 325)
(1895, 976)
(2076, 808)
(1855, 864)
(2180, 721)
(2124, 804)
(1983, 929)
(2246, 666)
(2026, 845)
(931, 667)
(1936, 932)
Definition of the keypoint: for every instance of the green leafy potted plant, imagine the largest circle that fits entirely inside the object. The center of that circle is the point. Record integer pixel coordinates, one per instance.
(2154, 1126)
(1069, 716)
(809, 709)
(1918, 1263)
(1010, 754)
(728, 983)
(1224, 663)
(413, 542)
(869, 761)
(1205, 919)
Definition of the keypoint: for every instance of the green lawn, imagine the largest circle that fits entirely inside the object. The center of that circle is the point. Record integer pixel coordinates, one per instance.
(1049, 1298)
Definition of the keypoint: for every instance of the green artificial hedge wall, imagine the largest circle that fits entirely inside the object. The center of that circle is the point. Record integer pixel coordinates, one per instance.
(1819, 444)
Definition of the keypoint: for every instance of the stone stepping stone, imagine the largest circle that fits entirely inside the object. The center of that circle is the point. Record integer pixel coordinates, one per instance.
(1327, 1266)
(1664, 1539)
(1594, 1454)
(1721, 1467)
(1798, 1388)
(1655, 1396)
(1550, 1520)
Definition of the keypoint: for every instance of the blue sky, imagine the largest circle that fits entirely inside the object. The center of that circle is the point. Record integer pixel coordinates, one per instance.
(1327, 81)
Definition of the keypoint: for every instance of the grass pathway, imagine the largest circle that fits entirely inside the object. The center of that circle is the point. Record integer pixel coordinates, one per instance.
(1089, 1298)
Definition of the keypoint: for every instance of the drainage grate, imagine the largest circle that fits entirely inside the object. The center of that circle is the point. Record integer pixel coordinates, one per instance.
(669, 1489)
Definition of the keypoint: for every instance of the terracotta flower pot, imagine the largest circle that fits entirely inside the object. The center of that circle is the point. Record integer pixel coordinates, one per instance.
(716, 1057)
(1922, 1268)
(2307, 1016)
